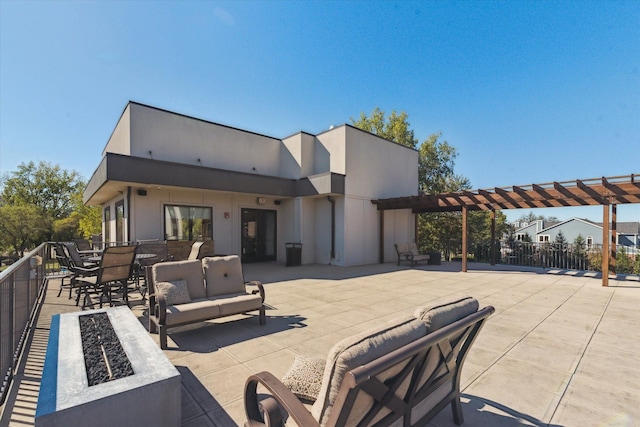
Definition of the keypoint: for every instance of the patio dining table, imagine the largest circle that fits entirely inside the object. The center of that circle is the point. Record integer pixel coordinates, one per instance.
(138, 257)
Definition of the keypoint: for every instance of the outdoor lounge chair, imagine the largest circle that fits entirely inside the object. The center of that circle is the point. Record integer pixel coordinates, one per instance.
(400, 374)
(409, 252)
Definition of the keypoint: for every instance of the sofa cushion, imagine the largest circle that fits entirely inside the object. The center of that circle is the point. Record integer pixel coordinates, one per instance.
(358, 350)
(237, 303)
(191, 271)
(442, 314)
(402, 248)
(304, 377)
(175, 291)
(196, 311)
(223, 275)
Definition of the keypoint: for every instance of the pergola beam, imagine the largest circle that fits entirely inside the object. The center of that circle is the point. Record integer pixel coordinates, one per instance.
(602, 191)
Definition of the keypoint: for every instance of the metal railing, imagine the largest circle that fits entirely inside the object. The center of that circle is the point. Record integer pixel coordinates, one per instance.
(21, 289)
(566, 256)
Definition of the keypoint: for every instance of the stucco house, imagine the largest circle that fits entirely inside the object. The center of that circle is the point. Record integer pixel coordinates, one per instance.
(627, 233)
(168, 176)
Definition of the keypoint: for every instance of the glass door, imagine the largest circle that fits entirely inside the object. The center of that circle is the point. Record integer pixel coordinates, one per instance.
(258, 235)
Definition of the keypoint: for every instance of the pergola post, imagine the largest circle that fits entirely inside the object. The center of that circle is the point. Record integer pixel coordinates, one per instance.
(381, 248)
(605, 244)
(464, 239)
(493, 237)
(614, 243)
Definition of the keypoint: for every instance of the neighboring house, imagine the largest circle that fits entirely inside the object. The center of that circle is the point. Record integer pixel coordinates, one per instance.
(167, 176)
(628, 233)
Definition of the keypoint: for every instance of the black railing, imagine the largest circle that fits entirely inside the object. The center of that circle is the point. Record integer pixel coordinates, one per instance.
(21, 289)
(566, 256)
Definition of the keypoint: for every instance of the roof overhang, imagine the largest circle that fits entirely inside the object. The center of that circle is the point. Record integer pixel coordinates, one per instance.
(590, 192)
(117, 172)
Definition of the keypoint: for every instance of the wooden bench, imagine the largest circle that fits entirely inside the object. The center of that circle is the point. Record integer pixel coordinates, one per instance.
(409, 252)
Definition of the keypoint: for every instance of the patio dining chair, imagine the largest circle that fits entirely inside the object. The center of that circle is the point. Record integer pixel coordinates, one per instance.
(83, 244)
(152, 247)
(66, 270)
(76, 258)
(113, 274)
(79, 268)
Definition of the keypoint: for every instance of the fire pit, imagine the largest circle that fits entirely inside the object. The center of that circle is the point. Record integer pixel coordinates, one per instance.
(103, 369)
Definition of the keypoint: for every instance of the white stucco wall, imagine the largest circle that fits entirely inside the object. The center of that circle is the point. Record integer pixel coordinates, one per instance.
(176, 138)
(332, 144)
(148, 212)
(301, 147)
(378, 168)
(119, 142)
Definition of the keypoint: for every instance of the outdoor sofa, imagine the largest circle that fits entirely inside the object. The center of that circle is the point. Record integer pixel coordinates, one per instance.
(191, 291)
(401, 373)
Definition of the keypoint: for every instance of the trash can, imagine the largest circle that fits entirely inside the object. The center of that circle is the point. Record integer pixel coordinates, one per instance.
(434, 258)
(294, 254)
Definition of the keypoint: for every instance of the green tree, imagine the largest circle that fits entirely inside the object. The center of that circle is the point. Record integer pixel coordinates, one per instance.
(436, 167)
(395, 128)
(560, 240)
(19, 227)
(46, 187)
(89, 218)
(579, 245)
(531, 217)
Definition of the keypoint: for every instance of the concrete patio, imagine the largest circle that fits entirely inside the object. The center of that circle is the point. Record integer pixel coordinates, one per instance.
(561, 350)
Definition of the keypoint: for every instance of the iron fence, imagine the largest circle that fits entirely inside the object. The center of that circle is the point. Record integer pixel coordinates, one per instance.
(21, 289)
(567, 256)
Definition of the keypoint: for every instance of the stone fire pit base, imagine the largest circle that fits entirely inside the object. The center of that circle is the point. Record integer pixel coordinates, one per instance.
(151, 396)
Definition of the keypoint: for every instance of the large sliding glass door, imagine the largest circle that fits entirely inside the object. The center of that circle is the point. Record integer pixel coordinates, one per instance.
(258, 235)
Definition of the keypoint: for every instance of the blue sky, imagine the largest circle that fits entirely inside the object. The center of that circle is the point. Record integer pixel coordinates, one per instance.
(527, 91)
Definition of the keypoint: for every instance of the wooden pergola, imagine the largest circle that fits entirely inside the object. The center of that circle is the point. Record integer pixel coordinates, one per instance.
(607, 192)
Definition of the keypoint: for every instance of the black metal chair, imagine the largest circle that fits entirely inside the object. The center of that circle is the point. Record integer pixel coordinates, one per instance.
(66, 272)
(72, 252)
(150, 247)
(113, 274)
(80, 269)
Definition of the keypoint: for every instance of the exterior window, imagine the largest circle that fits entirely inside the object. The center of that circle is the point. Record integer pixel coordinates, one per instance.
(188, 223)
(543, 238)
(107, 224)
(589, 241)
(120, 222)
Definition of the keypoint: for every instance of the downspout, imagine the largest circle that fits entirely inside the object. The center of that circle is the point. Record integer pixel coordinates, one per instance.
(128, 214)
(333, 226)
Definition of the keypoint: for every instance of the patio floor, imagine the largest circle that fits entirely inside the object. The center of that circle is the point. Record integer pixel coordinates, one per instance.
(561, 350)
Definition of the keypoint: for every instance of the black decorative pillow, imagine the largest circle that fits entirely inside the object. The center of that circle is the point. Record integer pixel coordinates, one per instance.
(304, 377)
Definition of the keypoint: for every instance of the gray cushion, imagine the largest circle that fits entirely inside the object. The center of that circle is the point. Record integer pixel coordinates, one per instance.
(196, 311)
(191, 271)
(359, 350)
(223, 275)
(442, 314)
(175, 291)
(238, 303)
(304, 377)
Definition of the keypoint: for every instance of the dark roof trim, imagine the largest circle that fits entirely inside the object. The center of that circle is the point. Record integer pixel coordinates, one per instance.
(142, 171)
